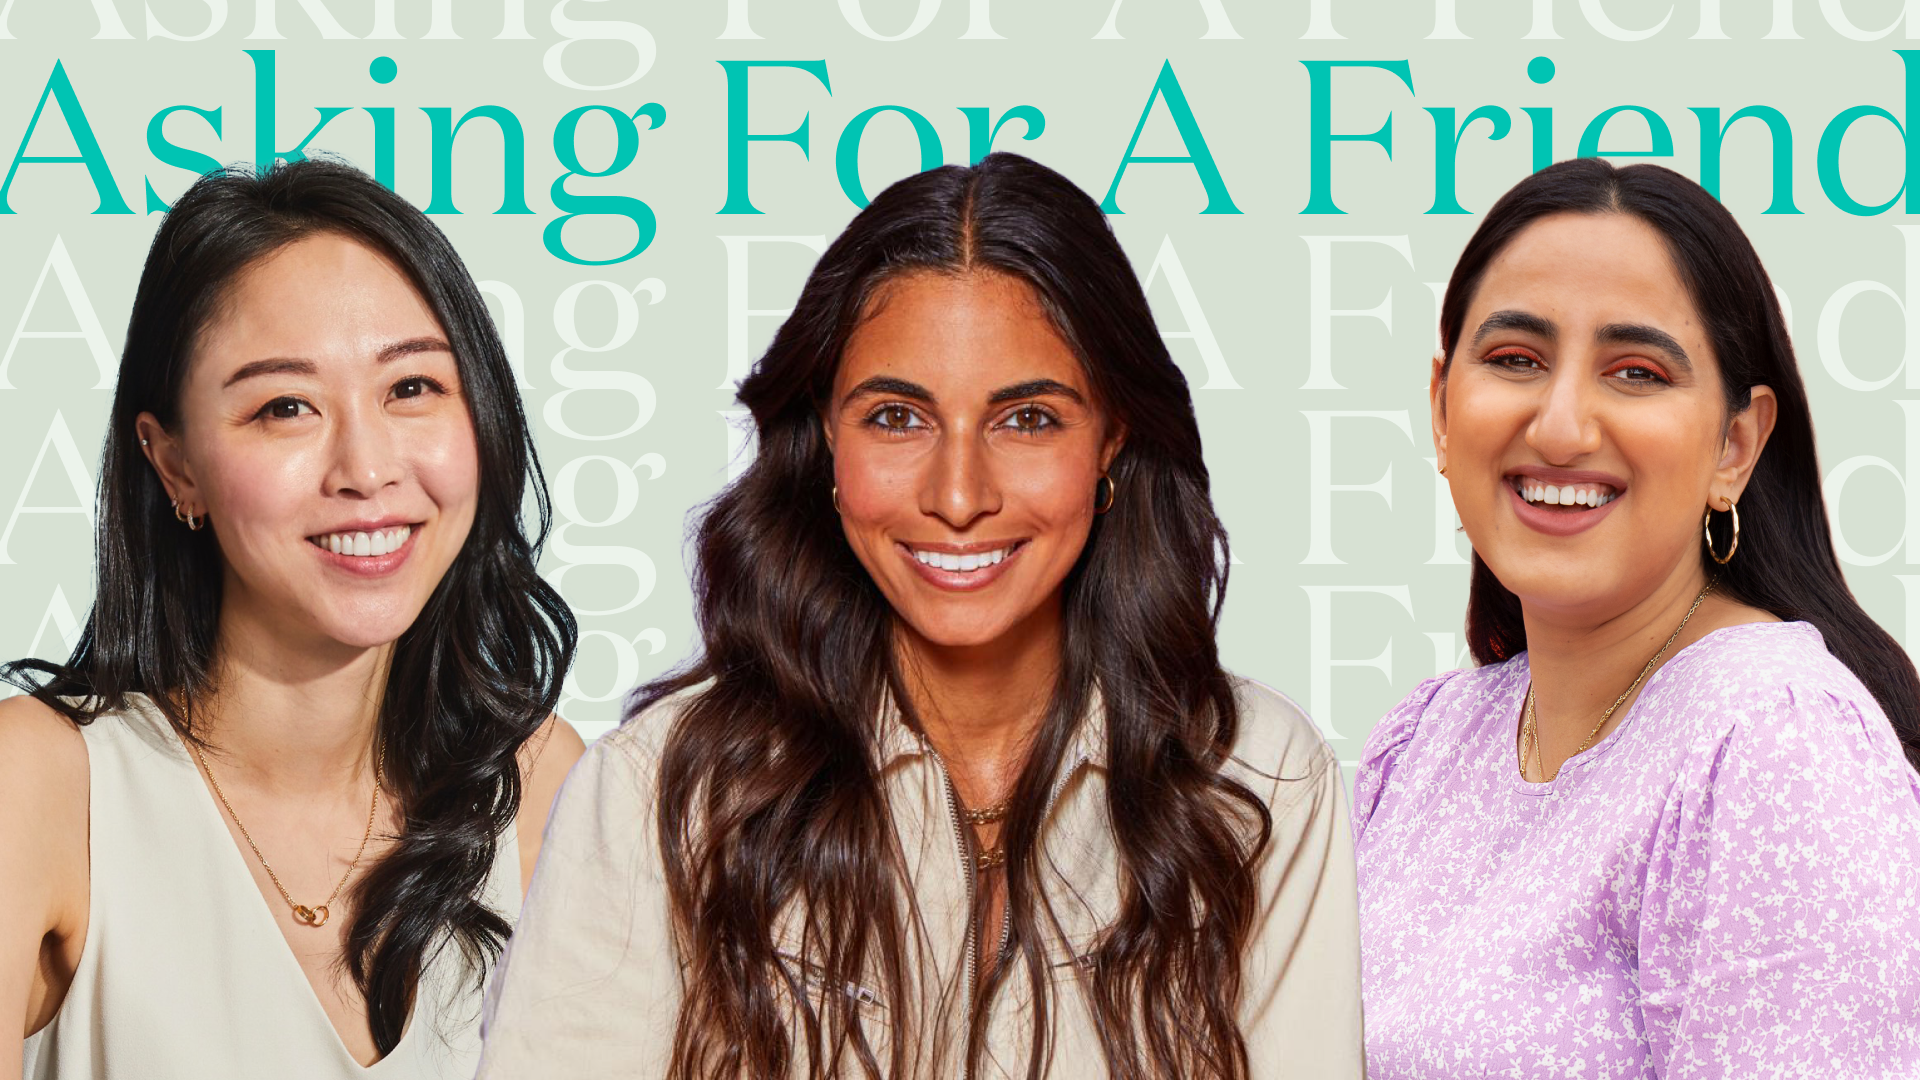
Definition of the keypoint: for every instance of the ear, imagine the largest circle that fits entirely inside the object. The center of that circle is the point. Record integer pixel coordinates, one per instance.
(1110, 449)
(1437, 406)
(1746, 437)
(168, 456)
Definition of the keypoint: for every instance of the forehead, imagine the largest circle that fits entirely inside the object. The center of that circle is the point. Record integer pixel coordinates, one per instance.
(1584, 271)
(323, 297)
(957, 334)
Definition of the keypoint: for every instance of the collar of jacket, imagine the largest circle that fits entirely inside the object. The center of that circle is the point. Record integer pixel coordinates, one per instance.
(896, 739)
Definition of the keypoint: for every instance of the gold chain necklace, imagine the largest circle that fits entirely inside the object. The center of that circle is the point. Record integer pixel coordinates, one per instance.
(1530, 730)
(996, 856)
(315, 916)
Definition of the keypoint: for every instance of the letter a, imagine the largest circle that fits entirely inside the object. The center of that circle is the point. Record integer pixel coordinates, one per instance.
(68, 452)
(90, 332)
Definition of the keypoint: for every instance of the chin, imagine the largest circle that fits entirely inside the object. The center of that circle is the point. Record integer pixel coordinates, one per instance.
(959, 634)
(361, 629)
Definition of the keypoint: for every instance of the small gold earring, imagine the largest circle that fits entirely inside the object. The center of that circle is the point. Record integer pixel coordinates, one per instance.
(1443, 470)
(836, 499)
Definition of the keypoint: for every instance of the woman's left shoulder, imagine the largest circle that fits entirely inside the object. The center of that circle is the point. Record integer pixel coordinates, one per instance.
(1772, 691)
(1762, 666)
(1276, 740)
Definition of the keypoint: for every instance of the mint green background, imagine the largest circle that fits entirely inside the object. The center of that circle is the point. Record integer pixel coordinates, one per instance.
(1250, 272)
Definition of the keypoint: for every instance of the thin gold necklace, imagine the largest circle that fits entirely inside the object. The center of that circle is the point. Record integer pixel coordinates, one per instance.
(1530, 730)
(315, 916)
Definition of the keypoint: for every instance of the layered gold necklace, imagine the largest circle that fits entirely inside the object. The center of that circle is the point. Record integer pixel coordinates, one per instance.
(1530, 728)
(987, 858)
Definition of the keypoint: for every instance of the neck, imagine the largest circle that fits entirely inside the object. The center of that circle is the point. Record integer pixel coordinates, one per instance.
(980, 705)
(293, 715)
(1580, 664)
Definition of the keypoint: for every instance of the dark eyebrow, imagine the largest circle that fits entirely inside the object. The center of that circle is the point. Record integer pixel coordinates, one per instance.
(1036, 388)
(886, 384)
(1524, 321)
(279, 365)
(288, 365)
(411, 346)
(1649, 336)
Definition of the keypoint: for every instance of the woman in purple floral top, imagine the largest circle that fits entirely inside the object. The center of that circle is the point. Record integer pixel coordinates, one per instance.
(1668, 827)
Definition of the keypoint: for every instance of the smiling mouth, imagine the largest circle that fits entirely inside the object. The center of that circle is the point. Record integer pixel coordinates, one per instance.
(1572, 497)
(363, 544)
(966, 563)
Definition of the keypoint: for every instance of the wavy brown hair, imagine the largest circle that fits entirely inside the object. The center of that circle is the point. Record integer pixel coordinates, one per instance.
(1786, 563)
(769, 788)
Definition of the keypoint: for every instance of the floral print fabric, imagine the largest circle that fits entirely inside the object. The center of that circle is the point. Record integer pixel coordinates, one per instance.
(1726, 886)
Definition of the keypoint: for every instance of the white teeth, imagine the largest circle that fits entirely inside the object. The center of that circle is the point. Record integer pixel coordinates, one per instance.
(942, 560)
(365, 544)
(1590, 495)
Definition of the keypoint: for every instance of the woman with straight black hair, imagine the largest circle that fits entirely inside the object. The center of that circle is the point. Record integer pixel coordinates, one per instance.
(273, 815)
(957, 786)
(1669, 827)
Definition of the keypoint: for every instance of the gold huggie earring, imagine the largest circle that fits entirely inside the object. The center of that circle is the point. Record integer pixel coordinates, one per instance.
(1706, 530)
(836, 499)
(187, 518)
(1101, 506)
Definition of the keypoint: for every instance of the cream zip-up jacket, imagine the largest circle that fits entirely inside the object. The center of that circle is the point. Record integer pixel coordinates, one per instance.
(590, 984)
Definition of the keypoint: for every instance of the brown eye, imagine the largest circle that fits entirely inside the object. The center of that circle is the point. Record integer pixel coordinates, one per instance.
(1031, 420)
(895, 418)
(284, 408)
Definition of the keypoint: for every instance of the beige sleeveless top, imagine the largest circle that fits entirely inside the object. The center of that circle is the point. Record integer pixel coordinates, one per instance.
(184, 973)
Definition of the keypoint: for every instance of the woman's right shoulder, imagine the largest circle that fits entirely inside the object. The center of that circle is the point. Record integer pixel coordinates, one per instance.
(1434, 702)
(43, 755)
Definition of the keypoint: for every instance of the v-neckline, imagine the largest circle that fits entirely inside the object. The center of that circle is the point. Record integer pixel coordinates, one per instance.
(262, 911)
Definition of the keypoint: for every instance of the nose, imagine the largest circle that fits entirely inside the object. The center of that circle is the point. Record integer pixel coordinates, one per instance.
(363, 454)
(958, 485)
(1566, 428)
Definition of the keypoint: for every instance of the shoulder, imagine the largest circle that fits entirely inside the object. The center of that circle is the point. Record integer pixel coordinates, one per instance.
(1434, 704)
(44, 789)
(1276, 742)
(1433, 713)
(544, 761)
(641, 738)
(1771, 691)
(41, 752)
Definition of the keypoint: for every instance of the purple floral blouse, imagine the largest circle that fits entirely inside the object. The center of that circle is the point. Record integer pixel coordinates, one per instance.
(1727, 886)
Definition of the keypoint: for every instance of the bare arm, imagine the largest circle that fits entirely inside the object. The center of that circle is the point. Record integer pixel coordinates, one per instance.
(43, 864)
(544, 763)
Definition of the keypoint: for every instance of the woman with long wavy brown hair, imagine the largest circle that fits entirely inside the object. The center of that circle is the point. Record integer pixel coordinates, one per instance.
(957, 785)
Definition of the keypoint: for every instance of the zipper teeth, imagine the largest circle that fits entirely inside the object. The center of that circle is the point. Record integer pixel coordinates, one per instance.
(966, 878)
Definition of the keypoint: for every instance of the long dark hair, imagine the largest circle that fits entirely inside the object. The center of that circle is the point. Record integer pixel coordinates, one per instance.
(476, 674)
(1786, 563)
(770, 797)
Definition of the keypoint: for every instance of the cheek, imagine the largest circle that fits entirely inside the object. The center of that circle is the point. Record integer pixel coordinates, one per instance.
(445, 459)
(1055, 492)
(253, 489)
(875, 484)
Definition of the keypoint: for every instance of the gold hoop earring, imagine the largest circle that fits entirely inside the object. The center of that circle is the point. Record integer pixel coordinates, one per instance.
(836, 499)
(1706, 531)
(187, 518)
(1443, 470)
(1101, 506)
